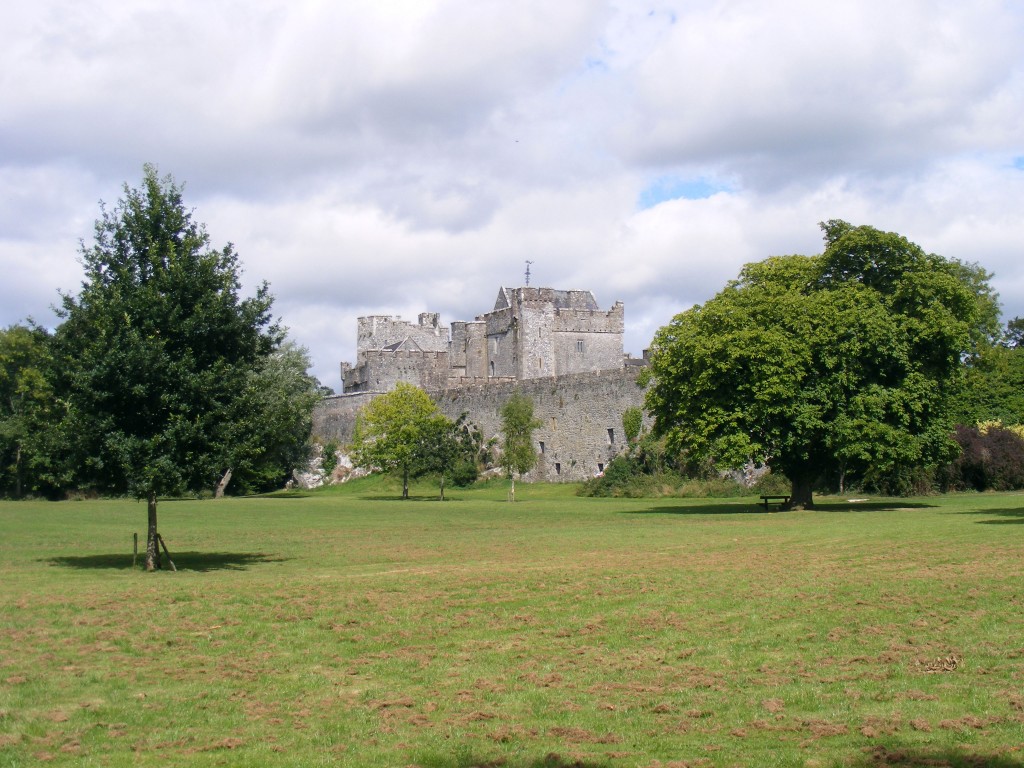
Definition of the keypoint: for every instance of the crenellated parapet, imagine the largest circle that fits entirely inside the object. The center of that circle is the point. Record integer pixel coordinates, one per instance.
(531, 333)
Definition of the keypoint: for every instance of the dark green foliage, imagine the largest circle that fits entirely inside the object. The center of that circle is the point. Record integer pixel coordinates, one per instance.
(157, 348)
(1014, 335)
(171, 378)
(30, 411)
(626, 476)
(271, 421)
(832, 365)
(448, 449)
(990, 460)
(330, 457)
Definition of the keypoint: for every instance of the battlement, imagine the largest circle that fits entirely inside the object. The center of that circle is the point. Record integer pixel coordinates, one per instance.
(531, 333)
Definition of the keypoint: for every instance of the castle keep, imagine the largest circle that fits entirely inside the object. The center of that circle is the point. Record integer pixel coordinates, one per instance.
(532, 333)
(557, 347)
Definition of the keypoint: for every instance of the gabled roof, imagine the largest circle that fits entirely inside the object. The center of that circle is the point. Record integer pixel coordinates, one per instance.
(503, 301)
(405, 345)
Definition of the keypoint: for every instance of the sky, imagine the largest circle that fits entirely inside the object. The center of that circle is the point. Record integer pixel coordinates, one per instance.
(397, 157)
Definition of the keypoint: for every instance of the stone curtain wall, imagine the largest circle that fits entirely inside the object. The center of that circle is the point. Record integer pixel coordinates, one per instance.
(334, 417)
(577, 411)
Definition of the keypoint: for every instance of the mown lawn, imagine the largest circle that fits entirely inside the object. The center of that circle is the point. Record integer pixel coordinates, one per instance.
(347, 627)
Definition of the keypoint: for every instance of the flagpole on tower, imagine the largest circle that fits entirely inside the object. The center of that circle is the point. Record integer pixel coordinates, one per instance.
(528, 263)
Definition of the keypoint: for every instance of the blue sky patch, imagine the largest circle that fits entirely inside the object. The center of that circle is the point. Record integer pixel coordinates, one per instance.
(675, 188)
(1018, 163)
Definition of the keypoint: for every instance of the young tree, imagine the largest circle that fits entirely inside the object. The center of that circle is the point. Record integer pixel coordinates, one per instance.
(448, 449)
(157, 350)
(840, 362)
(391, 431)
(518, 453)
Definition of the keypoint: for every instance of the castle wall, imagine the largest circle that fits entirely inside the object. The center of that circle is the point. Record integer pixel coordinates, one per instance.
(334, 417)
(381, 370)
(468, 349)
(581, 417)
(579, 352)
(378, 331)
(558, 347)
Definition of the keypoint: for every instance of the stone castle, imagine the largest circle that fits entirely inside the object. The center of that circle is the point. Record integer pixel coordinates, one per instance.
(558, 347)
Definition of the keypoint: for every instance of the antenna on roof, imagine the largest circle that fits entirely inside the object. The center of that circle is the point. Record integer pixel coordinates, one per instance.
(528, 263)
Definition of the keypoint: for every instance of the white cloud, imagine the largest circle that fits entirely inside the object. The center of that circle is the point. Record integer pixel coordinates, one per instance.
(399, 157)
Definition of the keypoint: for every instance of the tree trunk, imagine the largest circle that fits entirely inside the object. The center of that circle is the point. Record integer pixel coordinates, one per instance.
(152, 548)
(17, 473)
(405, 483)
(801, 494)
(442, 486)
(218, 493)
(512, 493)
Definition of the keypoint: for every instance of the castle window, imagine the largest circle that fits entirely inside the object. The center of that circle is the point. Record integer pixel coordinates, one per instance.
(600, 468)
(611, 436)
(558, 468)
(542, 446)
(492, 367)
(579, 346)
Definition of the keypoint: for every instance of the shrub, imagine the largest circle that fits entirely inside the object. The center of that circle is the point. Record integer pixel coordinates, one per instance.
(330, 457)
(991, 459)
(632, 423)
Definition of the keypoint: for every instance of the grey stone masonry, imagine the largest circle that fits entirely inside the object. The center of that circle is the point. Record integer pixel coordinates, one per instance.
(580, 415)
(558, 347)
(532, 333)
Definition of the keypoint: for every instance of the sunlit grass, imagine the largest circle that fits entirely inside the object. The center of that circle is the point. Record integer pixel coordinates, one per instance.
(347, 627)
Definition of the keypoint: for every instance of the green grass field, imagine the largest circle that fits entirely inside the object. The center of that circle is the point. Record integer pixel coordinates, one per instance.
(347, 627)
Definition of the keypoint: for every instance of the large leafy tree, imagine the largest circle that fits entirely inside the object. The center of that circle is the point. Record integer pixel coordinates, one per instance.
(393, 430)
(518, 453)
(844, 363)
(157, 351)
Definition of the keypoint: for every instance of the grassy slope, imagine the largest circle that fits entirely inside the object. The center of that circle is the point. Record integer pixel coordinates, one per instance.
(347, 627)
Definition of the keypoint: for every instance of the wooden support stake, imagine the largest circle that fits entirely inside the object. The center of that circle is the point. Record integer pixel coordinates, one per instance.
(135, 549)
(160, 539)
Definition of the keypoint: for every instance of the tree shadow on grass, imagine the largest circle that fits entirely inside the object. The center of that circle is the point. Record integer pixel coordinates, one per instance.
(918, 757)
(1010, 516)
(183, 561)
(551, 760)
(412, 497)
(756, 507)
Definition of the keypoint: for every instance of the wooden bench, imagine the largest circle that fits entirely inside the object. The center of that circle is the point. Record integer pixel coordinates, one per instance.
(782, 501)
